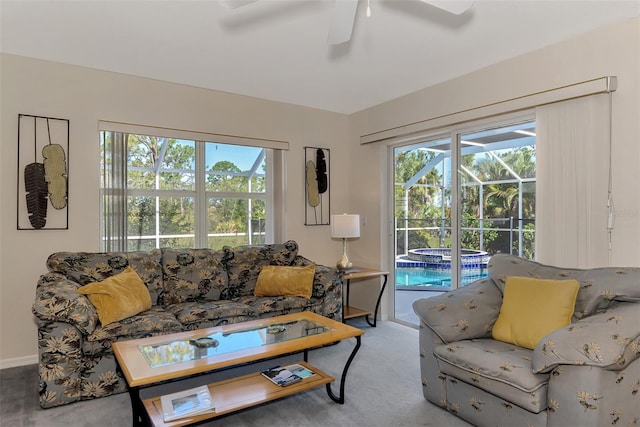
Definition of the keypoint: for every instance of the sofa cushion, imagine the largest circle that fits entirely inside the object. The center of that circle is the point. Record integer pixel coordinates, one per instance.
(499, 368)
(599, 287)
(532, 308)
(88, 267)
(191, 274)
(118, 297)
(275, 280)
(155, 321)
(247, 262)
(275, 306)
(217, 312)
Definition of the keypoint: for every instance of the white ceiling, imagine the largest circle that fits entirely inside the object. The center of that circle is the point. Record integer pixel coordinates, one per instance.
(277, 49)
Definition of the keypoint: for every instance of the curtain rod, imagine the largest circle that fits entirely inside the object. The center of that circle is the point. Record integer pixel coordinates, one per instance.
(575, 90)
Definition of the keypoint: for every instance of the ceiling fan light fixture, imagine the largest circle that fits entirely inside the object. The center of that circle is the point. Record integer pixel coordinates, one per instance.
(233, 4)
(344, 15)
(456, 7)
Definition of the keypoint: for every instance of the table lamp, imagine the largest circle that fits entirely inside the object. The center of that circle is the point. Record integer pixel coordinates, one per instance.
(345, 227)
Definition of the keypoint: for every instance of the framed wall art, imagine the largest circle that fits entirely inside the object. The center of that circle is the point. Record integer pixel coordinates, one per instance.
(43, 172)
(317, 186)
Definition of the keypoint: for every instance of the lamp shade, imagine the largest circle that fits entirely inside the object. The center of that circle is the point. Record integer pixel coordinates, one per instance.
(345, 226)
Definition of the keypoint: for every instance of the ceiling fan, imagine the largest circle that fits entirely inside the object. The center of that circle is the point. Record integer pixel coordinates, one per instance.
(344, 14)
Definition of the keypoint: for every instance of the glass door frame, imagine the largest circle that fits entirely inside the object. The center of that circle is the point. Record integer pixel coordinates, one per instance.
(454, 133)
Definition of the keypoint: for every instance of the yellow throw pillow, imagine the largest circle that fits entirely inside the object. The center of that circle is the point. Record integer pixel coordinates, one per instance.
(274, 281)
(532, 308)
(118, 297)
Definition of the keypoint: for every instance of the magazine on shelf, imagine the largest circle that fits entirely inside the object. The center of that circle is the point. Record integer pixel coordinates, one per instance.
(299, 370)
(186, 403)
(287, 375)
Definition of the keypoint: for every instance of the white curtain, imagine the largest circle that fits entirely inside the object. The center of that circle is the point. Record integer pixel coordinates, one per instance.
(573, 158)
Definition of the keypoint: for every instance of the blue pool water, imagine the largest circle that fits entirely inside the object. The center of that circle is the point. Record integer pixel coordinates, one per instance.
(422, 277)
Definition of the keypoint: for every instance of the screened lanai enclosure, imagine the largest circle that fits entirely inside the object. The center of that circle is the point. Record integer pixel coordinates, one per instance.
(494, 211)
(170, 192)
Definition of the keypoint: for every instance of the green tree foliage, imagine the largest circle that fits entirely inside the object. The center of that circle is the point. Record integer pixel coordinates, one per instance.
(427, 202)
(175, 172)
(161, 164)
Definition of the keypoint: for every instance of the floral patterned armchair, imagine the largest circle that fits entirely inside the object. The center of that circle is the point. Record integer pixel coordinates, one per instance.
(585, 374)
(189, 289)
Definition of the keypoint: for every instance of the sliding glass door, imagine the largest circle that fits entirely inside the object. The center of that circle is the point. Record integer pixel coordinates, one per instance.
(448, 224)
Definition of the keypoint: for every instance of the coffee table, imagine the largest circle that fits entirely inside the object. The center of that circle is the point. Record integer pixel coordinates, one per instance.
(150, 361)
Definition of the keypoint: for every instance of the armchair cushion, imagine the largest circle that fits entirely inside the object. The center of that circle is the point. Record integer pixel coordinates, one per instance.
(497, 367)
(609, 340)
(531, 308)
(600, 288)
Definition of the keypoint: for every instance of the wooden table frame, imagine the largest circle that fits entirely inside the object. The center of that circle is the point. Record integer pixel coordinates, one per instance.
(356, 273)
(140, 375)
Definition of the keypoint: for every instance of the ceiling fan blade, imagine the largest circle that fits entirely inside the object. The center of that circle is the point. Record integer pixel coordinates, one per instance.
(344, 14)
(453, 6)
(233, 4)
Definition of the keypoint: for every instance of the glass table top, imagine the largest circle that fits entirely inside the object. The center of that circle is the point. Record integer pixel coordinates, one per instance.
(166, 353)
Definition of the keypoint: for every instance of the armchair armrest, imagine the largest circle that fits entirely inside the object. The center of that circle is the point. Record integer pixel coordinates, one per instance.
(609, 340)
(57, 300)
(465, 313)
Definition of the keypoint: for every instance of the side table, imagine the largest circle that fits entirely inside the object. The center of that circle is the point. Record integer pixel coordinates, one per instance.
(356, 273)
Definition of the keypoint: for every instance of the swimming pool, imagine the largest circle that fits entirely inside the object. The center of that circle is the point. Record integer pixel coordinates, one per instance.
(411, 277)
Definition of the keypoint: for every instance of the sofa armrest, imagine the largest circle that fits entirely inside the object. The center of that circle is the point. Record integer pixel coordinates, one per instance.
(609, 340)
(327, 287)
(57, 300)
(464, 313)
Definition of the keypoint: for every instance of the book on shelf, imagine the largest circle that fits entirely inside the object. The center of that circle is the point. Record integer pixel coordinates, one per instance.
(186, 403)
(287, 375)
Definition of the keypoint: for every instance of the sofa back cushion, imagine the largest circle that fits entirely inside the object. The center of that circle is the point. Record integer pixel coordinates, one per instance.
(247, 262)
(599, 287)
(193, 274)
(89, 267)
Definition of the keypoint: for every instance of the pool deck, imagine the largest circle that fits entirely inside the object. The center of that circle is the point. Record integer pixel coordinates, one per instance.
(404, 304)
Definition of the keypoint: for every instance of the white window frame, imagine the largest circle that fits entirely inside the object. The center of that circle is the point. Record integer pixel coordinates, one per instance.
(274, 194)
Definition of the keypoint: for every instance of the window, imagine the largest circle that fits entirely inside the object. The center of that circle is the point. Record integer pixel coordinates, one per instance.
(181, 193)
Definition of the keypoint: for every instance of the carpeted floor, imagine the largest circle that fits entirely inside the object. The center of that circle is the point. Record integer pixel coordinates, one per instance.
(382, 389)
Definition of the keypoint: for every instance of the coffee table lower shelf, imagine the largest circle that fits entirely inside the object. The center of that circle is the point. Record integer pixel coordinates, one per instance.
(239, 393)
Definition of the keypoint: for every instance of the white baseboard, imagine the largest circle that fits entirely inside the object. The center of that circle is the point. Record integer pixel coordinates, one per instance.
(18, 361)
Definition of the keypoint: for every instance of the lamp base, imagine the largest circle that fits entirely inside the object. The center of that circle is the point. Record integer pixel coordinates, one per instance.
(344, 264)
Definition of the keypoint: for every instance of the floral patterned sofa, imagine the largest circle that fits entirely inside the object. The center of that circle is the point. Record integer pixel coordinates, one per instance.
(585, 374)
(189, 289)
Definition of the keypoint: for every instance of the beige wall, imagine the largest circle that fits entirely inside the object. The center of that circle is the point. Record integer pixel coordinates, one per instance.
(358, 172)
(85, 96)
(613, 51)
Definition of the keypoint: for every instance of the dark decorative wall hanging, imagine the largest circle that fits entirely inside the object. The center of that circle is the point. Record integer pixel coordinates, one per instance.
(317, 189)
(43, 162)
